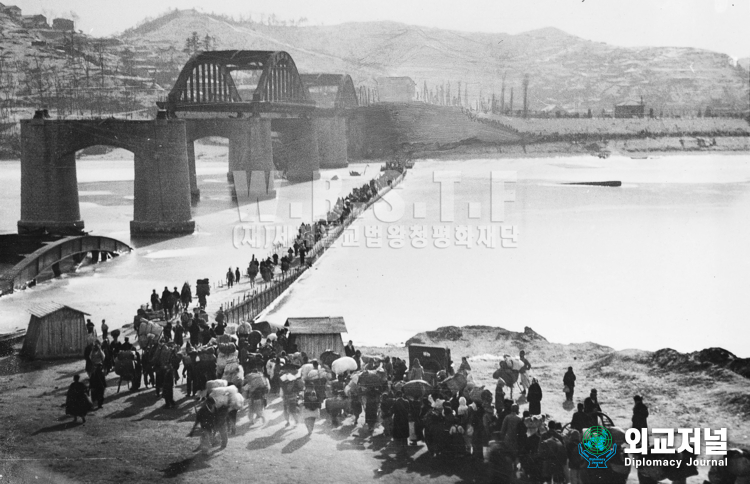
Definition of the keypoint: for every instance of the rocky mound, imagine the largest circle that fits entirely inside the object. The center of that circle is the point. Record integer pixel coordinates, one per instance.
(476, 333)
(707, 359)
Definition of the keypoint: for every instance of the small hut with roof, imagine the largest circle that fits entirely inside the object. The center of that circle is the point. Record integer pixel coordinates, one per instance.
(55, 331)
(316, 335)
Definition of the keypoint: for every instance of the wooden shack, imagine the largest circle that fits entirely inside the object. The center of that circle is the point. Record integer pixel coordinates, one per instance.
(55, 331)
(316, 335)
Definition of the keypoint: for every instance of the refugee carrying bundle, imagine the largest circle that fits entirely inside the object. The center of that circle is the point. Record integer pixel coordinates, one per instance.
(224, 359)
(244, 328)
(372, 379)
(455, 383)
(513, 363)
(474, 392)
(146, 328)
(234, 374)
(223, 395)
(256, 385)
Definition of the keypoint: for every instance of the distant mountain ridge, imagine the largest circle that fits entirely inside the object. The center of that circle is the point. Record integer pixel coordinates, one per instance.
(563, 69)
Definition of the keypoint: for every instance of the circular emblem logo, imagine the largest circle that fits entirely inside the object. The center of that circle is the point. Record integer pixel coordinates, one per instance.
(597, 440)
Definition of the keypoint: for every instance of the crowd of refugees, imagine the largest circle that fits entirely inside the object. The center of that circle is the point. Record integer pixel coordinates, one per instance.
(308, 234)
(163, 349)
(444, 409)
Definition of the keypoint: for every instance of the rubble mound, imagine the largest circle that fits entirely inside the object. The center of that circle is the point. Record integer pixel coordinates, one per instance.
(476, 333)
(706, 359)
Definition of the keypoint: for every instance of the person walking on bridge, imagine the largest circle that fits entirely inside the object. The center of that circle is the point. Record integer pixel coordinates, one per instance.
(230, 277)
(166, 302)
(155, 301)
(186, 295)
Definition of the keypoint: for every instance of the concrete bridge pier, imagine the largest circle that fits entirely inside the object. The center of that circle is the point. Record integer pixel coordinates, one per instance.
(49, 183)
(332, 142)
(298, 151)
(162, 183)
(251, 151)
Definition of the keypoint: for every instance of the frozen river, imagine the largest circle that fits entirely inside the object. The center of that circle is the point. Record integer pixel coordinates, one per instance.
(659, 262)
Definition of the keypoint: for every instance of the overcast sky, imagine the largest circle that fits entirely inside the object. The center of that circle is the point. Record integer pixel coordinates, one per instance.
(719, 25)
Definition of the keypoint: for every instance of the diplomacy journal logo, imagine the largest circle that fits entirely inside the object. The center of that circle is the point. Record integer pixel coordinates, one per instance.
(597, 447)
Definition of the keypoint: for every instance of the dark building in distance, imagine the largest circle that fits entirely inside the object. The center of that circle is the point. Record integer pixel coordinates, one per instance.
(396, 89)
(630, 109)
(63, 24)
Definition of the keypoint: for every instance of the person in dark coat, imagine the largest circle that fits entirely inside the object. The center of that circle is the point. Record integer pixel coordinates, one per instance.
(640, 413)
(168, 332)
(401, 410)
(166, 302)
(579, 420)
(97, 385)
(230, 277)
(569, 381)
(168, 387)
(186, 295)
(349, 349)
(211, 420)
(77, 402)
(89, 326)
(155, 301)
(127, 345)
(206, 335)
(372, 396)
(594, 398)
(195, 333)
(534, 397)
(178, 330)
(399, 369)
(237, 275)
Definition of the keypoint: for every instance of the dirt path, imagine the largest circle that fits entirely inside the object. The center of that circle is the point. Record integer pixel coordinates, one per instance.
(134, 439)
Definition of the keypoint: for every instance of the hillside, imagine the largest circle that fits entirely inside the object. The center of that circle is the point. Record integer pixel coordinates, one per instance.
(563, 69)
(70, 73)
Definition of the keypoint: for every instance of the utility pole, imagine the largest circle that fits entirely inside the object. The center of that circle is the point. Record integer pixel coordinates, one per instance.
(502, 96)
(525, 95)
(511, 101)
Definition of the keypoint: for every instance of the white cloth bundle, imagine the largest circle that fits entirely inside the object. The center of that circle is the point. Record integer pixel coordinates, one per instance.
(305, 369)
(343, 364)
(211, 384)
(223, 395)
(236, 402)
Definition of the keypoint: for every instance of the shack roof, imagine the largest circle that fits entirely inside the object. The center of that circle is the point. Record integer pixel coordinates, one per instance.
(631, 103)
(324, 325)
(41, 310)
